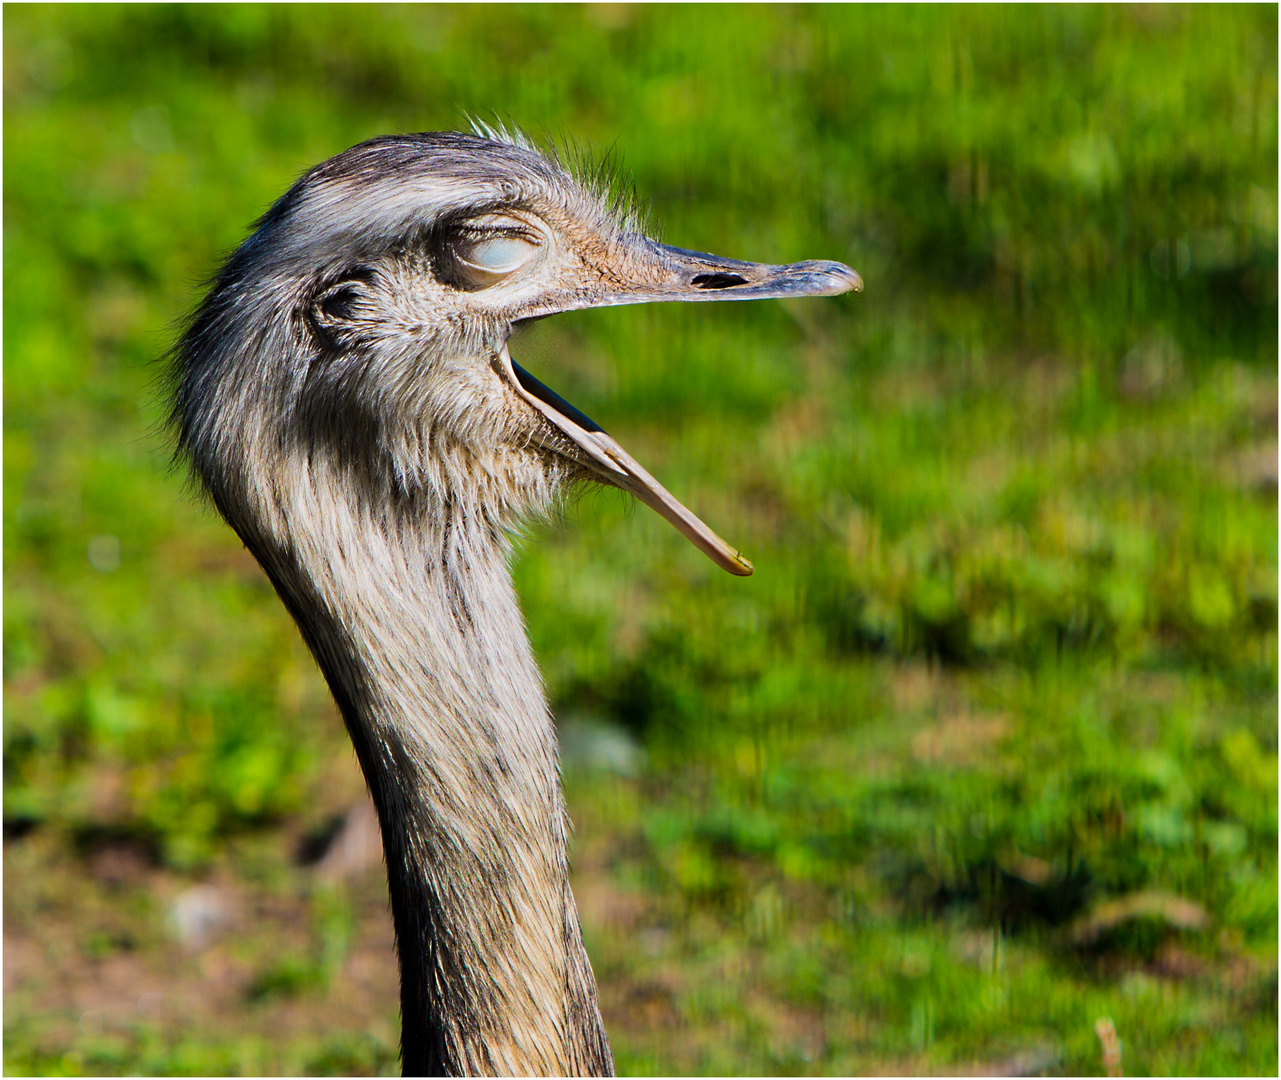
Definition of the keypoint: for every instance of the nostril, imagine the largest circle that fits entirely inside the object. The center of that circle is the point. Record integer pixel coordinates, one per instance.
(718, 281)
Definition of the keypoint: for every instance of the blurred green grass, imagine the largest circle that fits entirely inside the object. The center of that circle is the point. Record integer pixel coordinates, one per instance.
(1010, 652)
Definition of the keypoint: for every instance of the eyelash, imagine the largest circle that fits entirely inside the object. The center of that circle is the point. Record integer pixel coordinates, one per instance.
(477, 233)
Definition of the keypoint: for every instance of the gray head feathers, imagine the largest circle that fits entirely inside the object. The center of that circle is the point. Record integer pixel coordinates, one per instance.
(323, 329)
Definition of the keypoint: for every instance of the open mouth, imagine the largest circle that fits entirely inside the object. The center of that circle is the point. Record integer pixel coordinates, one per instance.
(616, 466)
(671, 274)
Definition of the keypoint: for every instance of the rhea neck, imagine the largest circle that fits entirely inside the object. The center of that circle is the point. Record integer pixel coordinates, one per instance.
(408, 605)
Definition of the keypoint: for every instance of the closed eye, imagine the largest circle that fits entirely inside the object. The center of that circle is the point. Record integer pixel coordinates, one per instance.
(498, 255)
(488, 250)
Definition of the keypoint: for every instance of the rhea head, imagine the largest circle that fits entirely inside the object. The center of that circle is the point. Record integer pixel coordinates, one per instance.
(366, 321)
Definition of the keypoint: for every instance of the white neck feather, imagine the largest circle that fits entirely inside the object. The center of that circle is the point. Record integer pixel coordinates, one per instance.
(411, 613)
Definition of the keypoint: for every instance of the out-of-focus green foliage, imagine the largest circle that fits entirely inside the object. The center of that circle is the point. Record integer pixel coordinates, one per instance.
(1036, 458)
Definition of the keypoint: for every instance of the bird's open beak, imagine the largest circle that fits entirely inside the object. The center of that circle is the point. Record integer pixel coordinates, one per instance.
(668, 273)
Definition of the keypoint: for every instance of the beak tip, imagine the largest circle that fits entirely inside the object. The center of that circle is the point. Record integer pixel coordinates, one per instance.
(849, 280)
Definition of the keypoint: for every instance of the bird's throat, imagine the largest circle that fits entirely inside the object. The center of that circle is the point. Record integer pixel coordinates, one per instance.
(419, 634)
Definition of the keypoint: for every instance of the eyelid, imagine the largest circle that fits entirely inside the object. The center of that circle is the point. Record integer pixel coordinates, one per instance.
(493, 248)
(501, 253)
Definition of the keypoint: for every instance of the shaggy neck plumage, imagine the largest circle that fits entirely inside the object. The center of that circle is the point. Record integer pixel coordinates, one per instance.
(409, 608)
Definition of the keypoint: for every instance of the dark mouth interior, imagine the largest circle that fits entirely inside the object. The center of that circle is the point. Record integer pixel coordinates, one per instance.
(549, 396)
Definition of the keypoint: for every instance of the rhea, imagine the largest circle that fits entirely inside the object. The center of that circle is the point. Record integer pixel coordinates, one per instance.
(346, 397)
